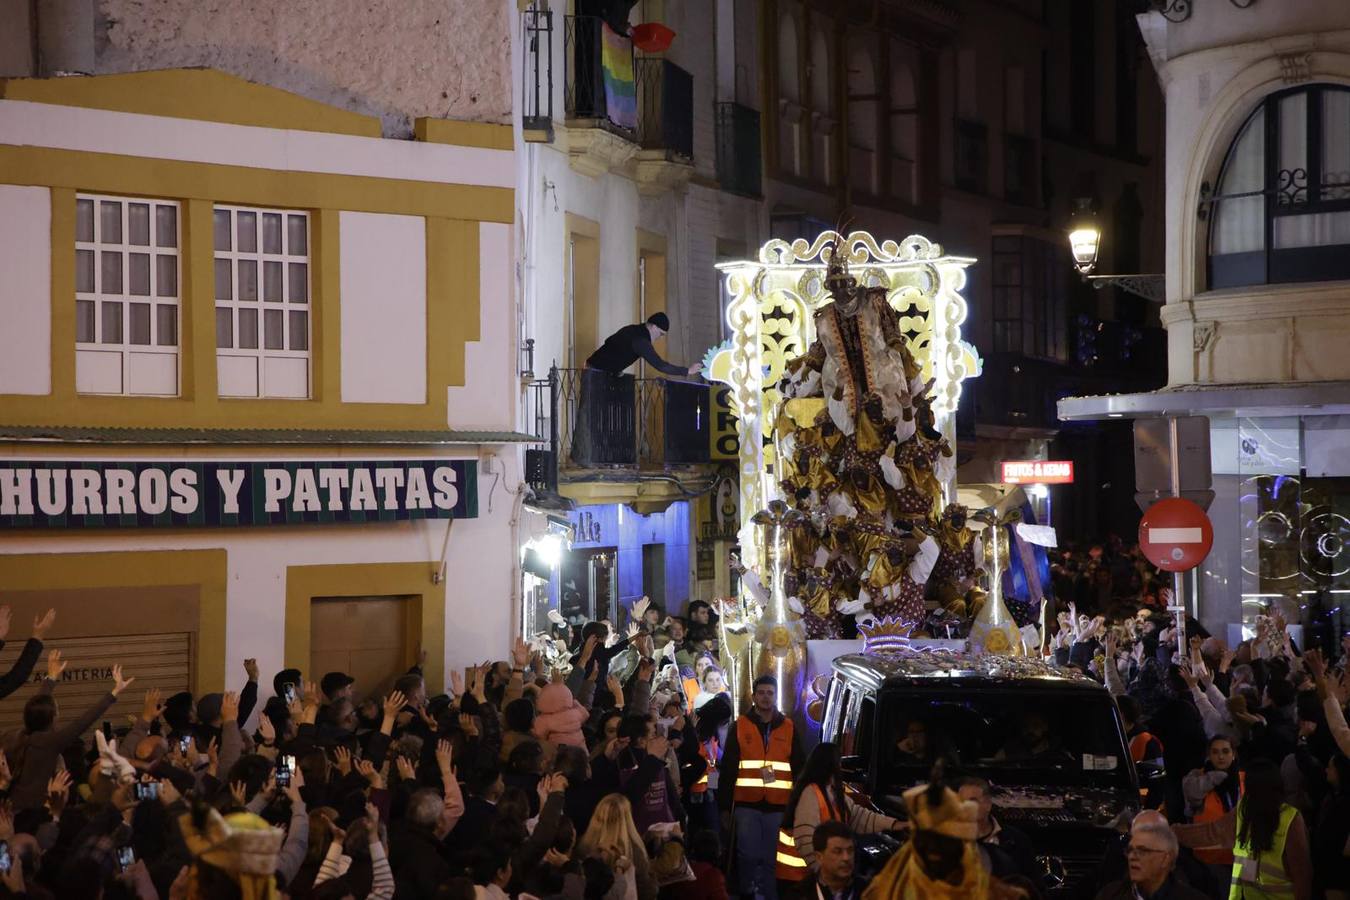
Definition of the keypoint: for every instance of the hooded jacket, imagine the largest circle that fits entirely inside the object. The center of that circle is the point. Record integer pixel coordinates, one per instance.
(559, 716)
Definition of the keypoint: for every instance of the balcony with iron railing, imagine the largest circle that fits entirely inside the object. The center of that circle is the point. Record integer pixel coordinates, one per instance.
(738, 156)
(601, 426)
(665, 125)
(600, 96)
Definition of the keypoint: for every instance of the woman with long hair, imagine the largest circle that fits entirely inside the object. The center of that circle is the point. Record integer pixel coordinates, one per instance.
(1271, 855)
(613, 838)
(818, 796)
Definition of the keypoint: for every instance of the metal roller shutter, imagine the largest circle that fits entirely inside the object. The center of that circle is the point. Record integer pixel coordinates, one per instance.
(155, 660)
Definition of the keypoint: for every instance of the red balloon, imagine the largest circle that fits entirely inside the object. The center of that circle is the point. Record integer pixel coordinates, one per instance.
(652, 37)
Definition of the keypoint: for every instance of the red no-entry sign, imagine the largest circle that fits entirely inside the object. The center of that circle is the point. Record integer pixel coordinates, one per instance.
(1175, 535)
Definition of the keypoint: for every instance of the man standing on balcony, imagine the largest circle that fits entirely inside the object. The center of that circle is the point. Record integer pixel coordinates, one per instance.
(633, 342)
(607, 396)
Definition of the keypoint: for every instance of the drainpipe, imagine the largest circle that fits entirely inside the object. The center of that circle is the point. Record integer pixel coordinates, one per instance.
(65, 37)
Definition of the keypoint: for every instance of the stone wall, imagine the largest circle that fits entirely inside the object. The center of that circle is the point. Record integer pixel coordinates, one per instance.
(439, 58)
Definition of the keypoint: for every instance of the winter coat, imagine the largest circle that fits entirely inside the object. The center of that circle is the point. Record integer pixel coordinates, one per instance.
(559, 717)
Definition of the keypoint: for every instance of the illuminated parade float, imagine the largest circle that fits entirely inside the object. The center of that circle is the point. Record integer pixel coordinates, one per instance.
(846, 364)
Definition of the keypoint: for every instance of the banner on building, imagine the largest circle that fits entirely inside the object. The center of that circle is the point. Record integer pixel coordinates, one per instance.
(616, 56)
(128, 494)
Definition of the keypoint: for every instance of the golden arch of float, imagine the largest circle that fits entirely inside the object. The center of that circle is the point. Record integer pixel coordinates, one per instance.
(770, 317)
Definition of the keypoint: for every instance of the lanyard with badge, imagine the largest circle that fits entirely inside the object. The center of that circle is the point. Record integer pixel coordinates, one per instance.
(766, 774)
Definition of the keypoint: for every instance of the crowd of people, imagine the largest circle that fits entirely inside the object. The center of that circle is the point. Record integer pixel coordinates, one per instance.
(608, 763)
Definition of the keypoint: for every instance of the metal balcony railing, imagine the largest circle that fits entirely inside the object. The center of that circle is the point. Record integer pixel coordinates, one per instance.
(608, 101)
(593, 420)
(665, 107)
(536, 83)
(738, 157)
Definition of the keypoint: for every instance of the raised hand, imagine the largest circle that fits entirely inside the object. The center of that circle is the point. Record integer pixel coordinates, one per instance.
(43, 624)
(405, 769)
(251, 668)
(213, 758)
(58, 792)
(640, 608)
(120, 684)
(342, 758)
(520, 654)
(373, 822)
(297, 782)
(457, 683)
(239, 792)
(229, 707)
(55, 665)
(616, 689)
(266, 729)
(393, 704)
(587, 650)
(370, 773)
(151, 707)
(311, 695)
(444, 757)
(468, 725)
(632, 630)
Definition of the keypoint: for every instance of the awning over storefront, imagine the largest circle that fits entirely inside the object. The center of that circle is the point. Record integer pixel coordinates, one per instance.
(255, 436)
(1320, 398)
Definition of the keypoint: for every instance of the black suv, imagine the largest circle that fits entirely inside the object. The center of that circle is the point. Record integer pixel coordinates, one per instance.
(1049, 740)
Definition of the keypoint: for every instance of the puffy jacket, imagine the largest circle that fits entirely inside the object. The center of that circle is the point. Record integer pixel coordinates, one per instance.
(559, 717)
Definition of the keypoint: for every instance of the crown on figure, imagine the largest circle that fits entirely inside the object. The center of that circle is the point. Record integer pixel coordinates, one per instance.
(888, 635)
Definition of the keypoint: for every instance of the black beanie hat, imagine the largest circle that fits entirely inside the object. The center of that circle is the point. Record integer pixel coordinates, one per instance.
(660, 320)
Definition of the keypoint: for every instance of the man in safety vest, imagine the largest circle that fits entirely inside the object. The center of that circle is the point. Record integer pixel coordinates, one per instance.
(760, 755)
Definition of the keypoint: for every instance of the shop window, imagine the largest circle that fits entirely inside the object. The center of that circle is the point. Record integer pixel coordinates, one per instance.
(126, 295)
(262, 290)
(1281, 210)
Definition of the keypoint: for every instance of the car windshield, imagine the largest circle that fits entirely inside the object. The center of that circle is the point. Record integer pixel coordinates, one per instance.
(1022, 737)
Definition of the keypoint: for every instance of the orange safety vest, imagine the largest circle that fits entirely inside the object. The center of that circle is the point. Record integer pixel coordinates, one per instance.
(1212, 811)
(776, 758)
(709, 757)
(1139, 745)
(791, 866)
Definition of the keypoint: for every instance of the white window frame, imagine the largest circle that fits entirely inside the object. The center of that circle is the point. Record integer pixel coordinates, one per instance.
(287, 305)
(98, 246)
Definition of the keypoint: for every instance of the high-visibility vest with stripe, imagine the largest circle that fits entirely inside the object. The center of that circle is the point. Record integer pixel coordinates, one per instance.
(711, 757)
(1262, 877)
(756, 758)
(1212, 811)
(791, 866)
(1139, 745)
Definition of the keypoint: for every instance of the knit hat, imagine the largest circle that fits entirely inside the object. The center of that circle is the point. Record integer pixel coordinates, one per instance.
(949, 815)
(241, 845)
(208, 708)
(660, 320)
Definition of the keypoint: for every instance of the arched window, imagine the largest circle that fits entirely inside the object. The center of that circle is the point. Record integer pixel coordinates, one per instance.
(862, 120)
(822, 92)
(1281, 211)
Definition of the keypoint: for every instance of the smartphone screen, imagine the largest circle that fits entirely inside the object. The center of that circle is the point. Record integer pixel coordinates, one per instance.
(147, 790)
(184, 743)
(284, 771)
(289, 690)
(4, 856)
(125, 857)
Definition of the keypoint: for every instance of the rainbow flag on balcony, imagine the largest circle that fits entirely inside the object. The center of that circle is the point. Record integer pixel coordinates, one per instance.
(620, 86)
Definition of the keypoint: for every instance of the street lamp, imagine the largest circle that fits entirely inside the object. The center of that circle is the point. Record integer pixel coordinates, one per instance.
(1085, 238)
(1085, 241)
